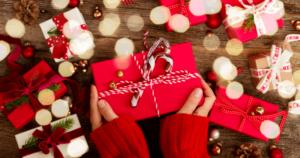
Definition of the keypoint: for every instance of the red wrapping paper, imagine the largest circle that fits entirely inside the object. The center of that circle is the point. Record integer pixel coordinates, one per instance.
(233, 121)
(170, 98)
(22, 115)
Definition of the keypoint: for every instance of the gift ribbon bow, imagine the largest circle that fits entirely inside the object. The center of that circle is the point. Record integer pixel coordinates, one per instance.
(59, 43)
(53, 139)
(176, 77)
(127, 2)
(235, 15)
(228, 108)
(182, 8)
(278, 61)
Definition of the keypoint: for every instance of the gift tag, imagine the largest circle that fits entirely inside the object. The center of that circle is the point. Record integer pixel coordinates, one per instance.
(43, 117)
(4, 50)
(269, 129)
(15, 28)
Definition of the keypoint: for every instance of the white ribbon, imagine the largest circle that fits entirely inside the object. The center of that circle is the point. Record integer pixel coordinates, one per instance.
(235, 16)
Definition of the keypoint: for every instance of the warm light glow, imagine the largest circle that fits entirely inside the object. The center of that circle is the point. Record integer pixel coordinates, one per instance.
(286, 89)
(111, 4)
(77, 148)
(66, 69)
(160, 15)
(194, 6)
(4, 50)
(234, 90)
(124, 47)
(135, 23)
(224, 68)
(60, 108)
(123, 63)
(81, 43)
(60, 4)
(179, 23)
(87, 55)
(230, 22)
(297, 97)
(234, 47)
(46, 97)
(110, 24)
(43, 117)
(212, 6)
(15, 28)
(71, 29)
(211, 43)
(269, 129)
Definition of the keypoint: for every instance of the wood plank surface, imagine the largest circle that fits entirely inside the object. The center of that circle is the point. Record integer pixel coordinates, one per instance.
(290, 139)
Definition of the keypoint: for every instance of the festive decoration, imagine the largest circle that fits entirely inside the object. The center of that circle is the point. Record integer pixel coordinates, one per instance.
(275, 152)
(217, 149)
(248, 151)
(214, 134)
(27, 11)
(84, 70)
(67, 69)
(68, 99)
(259, 110)
(212, 76)
(120, 74)
(249, 24)
(43, 11)
(97, 13)
(60, 108)
(213, 21)
(15, 28)
(295, 24)
(75, 3)
(4, 49)
(84, 64)
(43, 117)
(112, 85)
(28, 51)
(208, 33)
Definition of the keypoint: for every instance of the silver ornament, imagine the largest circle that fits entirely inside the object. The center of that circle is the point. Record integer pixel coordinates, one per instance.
(214, 134)
(68, 99)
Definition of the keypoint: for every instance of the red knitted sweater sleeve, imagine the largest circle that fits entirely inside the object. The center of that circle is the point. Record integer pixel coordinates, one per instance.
(120, 138)
(184, 136)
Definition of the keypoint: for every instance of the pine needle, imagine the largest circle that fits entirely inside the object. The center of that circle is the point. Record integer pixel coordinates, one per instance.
(31, 143)
(55, 32)
(65, 124)
(249, 23)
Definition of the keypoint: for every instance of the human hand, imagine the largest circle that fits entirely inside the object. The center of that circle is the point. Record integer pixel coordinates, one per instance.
(99, 108)
(192, 102)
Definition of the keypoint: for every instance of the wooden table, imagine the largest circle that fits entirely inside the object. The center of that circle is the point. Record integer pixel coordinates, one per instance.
(104, 50)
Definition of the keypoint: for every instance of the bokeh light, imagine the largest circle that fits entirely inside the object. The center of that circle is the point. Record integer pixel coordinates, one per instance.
(212, 6)
(15, 28)
(60, 4)
(234, 47)
(4, 50)
(111, 4)
(87, 55)
(234, 90)
(110, 24)
(232, 23)
(76, 148)
(135, 23)
(69, 29)
(60, 108)
(194, 6)
(66, 69)
(224, 68)
(286, 89)
(160, 15)
(269, 129)
(43, 117)
(123, 63)
(179, 23)
(124, 47)
(46, 97)
(82, 43)
(211, 42)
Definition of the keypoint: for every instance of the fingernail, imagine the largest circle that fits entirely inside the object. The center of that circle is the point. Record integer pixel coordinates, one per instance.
(198, 92)
(101, 104)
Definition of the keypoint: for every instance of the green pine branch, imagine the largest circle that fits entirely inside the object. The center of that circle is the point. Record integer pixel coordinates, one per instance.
(25, 98)
(249, 23)
(32, 143)
(55, 32)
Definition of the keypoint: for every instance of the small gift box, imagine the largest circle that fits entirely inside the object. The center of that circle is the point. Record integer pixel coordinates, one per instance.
(18, 99)
(235, 114)
(157, 94)
(192, 9)
(67, 35)
(67, 140)
(248, 19)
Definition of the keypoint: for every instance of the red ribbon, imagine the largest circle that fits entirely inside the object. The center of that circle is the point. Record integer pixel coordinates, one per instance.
(59, 43)
(52, 139)
(126, 2)
(182, 8)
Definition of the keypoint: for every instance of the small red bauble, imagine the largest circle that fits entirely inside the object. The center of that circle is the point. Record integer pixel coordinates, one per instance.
(28, 51)
(275, 152)
(74, 3)
(212, 76)
(97, 13)
(217, 149)
(213, 21)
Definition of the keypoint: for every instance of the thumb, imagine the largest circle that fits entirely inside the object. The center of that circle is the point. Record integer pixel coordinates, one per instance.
(106, 111)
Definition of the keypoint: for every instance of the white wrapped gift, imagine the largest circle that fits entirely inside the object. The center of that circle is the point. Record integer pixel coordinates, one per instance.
(83, 42)
(76, 148)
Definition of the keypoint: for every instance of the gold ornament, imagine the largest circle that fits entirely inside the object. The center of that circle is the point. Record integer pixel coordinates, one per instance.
(295, 24)
(81, 1)
(84, 70)
(210, 139)
(208, 33)
(253, 113)
(84, 64)
(120, 74)
(272, 147)
(27, 44)
(76, 64)
(167, 51)
(259, 110)
(112, 85)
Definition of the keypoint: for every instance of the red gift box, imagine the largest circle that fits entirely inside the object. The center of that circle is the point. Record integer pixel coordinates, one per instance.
(239, 114)
(271, 21)
(20, 116)
(196, 16)
(169, 97)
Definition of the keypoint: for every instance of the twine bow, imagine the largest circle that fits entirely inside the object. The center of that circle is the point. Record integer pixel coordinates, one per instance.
(181, 6)
(235, 16)
(53, 139)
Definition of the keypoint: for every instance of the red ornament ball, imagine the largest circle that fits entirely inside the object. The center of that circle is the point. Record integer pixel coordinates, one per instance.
(73, 3)
(212, 76)
(213, 21)
(97, 13)
(217, 149)
(28, 51)
(276, 153)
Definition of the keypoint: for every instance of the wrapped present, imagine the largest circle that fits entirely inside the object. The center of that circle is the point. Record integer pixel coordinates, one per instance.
(238, 113)
(67, 35)
(18, 101)
(127, 2)
(67, 140)
(143, 91)
(193, 10)
(248, 19)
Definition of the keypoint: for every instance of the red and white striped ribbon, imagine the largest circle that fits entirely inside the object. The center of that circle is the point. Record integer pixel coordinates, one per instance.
(127, 2)
(182, 8)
